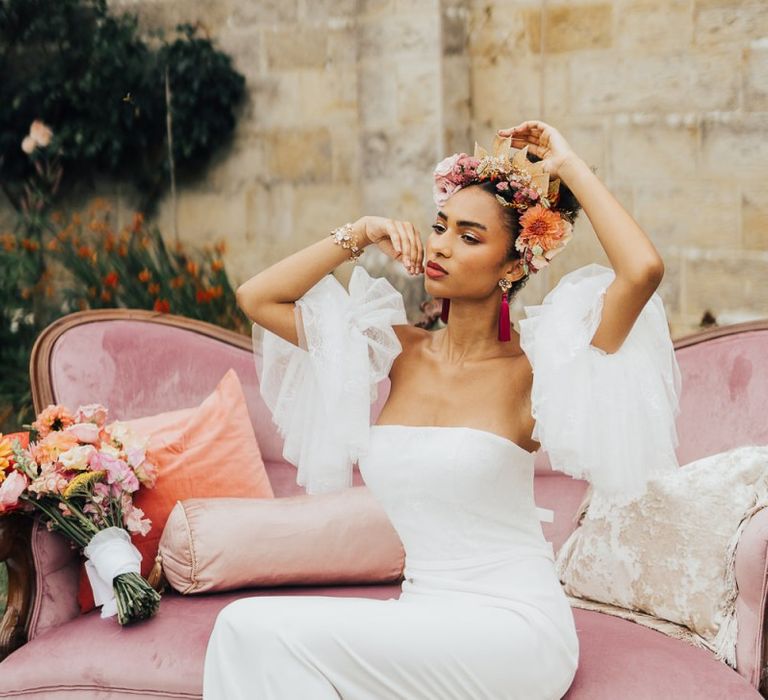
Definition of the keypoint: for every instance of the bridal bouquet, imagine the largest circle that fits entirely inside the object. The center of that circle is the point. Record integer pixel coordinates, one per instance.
(81, 474)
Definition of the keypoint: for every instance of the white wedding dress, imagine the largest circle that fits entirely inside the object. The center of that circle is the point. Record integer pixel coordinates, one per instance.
(481, 612)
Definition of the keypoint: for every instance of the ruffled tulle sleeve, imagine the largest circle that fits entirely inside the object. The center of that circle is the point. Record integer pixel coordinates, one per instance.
(320, 393)
(608, 418)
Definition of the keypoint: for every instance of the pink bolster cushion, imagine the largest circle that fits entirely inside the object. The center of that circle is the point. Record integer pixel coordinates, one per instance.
(221, 544)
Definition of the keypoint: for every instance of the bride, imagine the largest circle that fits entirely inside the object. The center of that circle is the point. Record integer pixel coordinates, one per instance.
(591, 377)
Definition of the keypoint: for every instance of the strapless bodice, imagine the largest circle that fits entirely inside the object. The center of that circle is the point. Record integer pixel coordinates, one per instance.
(455, 493)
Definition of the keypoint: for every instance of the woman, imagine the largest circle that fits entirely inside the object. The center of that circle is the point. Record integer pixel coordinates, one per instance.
(591, 377)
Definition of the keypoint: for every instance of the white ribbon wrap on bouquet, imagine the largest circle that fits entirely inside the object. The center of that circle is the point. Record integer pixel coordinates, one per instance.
(320, 394)
(110, 553)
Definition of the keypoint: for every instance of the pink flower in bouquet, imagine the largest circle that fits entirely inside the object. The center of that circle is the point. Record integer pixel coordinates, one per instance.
(118, 472)
(92, 413)
(85, 432)
(50, 481)
(134, 520)
(10, 491)
(146, 472)
(28, 145)
(52, 418)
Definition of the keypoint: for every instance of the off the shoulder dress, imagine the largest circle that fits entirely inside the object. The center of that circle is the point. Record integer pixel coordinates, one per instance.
(481, 613)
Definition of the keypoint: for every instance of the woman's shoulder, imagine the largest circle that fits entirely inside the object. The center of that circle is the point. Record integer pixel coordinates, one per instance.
(409, 334)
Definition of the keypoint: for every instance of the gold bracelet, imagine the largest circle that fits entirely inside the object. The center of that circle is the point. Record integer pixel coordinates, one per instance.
(344, 237)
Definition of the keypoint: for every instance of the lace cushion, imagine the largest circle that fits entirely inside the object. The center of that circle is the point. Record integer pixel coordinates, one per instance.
(670, 553)
(605, 417)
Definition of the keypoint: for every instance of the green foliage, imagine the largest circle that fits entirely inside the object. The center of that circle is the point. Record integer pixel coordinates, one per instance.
(101, 88)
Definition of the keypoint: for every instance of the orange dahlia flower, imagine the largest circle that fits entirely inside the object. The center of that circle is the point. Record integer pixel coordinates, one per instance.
(544, 232)
(52, 418)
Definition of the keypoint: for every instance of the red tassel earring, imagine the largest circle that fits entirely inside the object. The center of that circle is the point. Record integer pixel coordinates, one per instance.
(504, 332)
(445, 309)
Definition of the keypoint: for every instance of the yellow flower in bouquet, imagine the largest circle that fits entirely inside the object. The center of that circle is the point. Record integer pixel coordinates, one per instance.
(5, 456)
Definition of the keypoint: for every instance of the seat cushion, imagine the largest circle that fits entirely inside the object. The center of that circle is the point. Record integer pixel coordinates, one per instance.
(622, 659)
(163, 657)
(89, 657)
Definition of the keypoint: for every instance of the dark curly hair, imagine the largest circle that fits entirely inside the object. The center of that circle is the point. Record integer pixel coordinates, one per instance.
(567, 205)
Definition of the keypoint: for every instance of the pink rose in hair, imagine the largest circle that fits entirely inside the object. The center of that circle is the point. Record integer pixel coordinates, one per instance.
(445, 166)
(467, 167)
(442, 189)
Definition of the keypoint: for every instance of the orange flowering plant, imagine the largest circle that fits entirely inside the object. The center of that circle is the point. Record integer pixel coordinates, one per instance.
(53, 265)
(135, 268)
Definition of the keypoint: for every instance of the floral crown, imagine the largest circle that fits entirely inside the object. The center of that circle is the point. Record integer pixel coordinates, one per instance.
(544, 231)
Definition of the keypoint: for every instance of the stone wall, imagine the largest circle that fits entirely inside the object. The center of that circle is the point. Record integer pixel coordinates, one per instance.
(351, 103)
(669, 101)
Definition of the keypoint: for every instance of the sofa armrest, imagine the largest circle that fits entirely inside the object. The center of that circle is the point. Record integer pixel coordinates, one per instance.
(16, 552)
(752, 583)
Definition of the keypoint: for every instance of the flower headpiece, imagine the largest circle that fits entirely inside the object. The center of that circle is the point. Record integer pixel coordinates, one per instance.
(544, 231)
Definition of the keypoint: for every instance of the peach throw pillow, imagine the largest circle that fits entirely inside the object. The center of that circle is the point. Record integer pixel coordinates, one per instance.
(220, 544)
(206, 451)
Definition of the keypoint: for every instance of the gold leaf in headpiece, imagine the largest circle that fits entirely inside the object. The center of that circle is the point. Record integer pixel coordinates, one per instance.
(502, 148)
(502, 145)
(480, 152)
(554, 191)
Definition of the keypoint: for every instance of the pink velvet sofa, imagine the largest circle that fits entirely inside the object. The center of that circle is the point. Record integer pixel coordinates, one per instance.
(139, 363)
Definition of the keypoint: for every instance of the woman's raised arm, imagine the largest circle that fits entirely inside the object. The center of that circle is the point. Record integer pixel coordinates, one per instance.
(269, 297)
(637, 264)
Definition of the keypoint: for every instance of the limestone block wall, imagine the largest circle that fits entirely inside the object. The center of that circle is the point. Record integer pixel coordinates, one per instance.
(668, 101)
(350, 103)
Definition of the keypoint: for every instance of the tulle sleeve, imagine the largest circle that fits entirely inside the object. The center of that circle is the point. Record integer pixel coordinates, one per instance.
(608, 418)
(320, 393)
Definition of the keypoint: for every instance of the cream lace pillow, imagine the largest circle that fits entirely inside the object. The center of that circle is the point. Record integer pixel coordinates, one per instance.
(668, 555)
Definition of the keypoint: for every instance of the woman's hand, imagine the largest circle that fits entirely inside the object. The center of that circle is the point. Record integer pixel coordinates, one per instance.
(398, 239)
(543, 141)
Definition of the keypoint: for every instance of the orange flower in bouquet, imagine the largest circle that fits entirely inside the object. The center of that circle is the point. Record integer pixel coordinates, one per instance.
(81, 474)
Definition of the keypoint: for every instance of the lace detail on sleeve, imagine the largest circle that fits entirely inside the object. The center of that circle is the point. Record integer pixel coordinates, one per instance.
(320, 393)
(605, 417)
